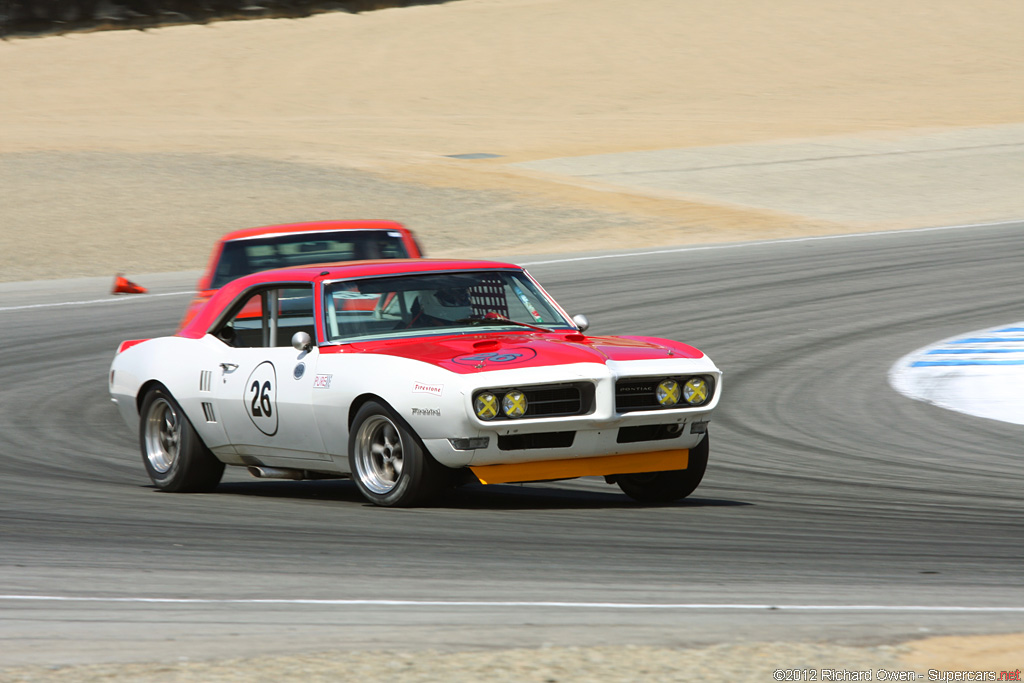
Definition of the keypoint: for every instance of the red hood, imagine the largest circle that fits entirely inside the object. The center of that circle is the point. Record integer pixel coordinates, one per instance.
(496, 351)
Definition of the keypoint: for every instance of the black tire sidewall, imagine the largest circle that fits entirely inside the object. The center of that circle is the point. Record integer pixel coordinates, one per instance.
(670, 486)
(195, 468)
(415, 481)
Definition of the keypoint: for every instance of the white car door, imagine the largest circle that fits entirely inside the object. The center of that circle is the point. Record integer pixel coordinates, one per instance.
(264, 392)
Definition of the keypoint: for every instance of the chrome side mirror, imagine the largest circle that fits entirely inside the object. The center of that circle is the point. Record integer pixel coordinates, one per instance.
(302, 341)
(581, 322)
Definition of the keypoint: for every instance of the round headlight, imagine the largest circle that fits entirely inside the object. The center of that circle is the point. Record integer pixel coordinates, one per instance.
(486, 406)
(667, 392)
(695, 391)
(514, 403)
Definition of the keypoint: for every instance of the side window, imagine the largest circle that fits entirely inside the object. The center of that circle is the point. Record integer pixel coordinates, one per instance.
(269, 317)
(295, 314)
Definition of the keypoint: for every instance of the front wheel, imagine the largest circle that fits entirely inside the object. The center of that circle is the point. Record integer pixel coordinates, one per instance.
(388, 464)
(673, 485)
(176, 459)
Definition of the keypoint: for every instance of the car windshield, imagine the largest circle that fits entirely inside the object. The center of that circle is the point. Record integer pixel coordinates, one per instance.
(255, 254)
(436, 303)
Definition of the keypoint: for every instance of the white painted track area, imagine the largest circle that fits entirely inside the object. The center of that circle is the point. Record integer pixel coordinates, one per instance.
(979, 373)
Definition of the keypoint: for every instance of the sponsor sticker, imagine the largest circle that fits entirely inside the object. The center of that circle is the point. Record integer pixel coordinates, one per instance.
(421, 388)
(322, 382)
(426, 412)
(343, 294)
(509, 356)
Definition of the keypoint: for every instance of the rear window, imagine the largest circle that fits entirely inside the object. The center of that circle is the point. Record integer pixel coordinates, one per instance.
(256, 254)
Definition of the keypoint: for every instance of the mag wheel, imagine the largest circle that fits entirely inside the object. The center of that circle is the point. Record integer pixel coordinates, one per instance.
(666, 487)
(175, 457)
(389, 465)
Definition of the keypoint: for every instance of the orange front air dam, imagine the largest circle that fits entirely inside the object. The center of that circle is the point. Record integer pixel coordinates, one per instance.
(583, 467)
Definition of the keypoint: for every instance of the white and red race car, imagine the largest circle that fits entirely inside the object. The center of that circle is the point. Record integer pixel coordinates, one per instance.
(412, 376)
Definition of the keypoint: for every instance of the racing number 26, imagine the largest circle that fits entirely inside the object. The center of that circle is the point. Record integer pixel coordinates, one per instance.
(261, 406)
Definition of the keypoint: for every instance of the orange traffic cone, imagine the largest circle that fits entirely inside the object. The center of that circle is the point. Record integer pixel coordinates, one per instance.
(123, 285)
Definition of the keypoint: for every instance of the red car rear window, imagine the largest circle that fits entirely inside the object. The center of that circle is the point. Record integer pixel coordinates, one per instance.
(256, 254)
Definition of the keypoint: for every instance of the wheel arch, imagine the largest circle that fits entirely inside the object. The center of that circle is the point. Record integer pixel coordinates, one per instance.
(367, 397)
(146, 387)
(361, 400)
(153, 384)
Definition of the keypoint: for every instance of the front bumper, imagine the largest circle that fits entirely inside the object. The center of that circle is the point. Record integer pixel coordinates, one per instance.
(603, 432)
(571, 468)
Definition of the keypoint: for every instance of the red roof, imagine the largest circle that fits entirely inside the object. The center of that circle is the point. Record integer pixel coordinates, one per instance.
(199, 325)
(314, 226)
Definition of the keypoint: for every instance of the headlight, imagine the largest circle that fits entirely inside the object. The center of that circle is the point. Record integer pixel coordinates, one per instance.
(486, 406)
(667, 392)
(695, 391)
(514, 403)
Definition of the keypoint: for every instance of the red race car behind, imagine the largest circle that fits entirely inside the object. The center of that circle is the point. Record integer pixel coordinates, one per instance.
(254, 250)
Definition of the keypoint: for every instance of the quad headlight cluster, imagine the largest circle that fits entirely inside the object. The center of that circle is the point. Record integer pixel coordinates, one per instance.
(512, 404)
(693, 393)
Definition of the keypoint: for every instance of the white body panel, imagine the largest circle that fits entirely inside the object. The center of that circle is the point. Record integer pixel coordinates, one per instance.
(308, 425)
(265, 403)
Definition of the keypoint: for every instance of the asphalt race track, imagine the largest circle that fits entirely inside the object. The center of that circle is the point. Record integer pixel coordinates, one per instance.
(833, 507)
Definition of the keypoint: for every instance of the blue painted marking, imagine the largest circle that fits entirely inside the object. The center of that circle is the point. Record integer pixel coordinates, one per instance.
(988, 340)
(947, 363)
(1012, 329)
(967, 351)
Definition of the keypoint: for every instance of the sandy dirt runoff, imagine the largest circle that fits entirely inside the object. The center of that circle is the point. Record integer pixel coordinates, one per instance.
(131, 151)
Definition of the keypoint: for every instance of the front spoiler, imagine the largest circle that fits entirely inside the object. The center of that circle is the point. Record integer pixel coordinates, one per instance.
(571, 468)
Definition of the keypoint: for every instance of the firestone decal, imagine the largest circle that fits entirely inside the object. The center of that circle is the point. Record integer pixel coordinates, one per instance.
(420, 388)
(260, 397)
(510, 356)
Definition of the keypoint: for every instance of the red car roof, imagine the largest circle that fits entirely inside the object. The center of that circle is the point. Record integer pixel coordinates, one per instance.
(199, 325)
(313, 226)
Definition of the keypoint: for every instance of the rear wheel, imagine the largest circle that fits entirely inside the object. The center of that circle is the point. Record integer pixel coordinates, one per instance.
(388, 464)
(175, 457)
(666, 487)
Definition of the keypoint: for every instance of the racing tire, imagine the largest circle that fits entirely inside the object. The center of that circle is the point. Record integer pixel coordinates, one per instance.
(667, 487)
(389, 463)
(175, 458)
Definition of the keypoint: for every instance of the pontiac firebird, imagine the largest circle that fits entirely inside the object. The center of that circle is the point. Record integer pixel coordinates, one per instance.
(412, 377)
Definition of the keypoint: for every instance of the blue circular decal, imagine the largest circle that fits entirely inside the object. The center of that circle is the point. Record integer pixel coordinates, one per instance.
(509, 356)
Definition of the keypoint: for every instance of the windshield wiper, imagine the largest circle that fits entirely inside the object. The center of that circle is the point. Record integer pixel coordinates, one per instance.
(499, 321)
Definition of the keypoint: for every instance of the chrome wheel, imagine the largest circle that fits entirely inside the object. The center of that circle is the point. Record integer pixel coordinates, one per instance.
(378, 454)
(162, 435)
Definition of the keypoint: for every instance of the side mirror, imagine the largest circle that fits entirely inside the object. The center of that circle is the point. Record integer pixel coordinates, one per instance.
(302, 341)
(581, 322)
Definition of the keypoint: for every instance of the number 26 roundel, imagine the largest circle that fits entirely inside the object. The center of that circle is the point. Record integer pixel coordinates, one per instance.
(260, 398)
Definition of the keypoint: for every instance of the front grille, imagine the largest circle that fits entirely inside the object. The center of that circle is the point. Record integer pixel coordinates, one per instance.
(637, 393)
(522, 442)
(552, 400)
(547, 402)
